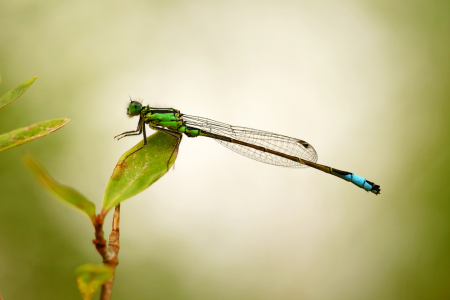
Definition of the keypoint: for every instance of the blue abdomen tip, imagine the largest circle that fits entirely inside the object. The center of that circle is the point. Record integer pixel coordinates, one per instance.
(358, 180)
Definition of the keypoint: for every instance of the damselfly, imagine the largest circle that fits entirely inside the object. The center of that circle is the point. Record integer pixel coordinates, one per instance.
(266, 147)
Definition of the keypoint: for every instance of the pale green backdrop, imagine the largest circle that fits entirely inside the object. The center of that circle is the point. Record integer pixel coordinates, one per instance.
(367, 83)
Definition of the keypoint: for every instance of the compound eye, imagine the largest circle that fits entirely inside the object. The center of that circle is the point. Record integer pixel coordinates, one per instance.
(134, 108)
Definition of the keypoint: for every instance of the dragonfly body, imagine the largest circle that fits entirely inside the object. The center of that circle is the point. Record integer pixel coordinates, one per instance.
(260, 145)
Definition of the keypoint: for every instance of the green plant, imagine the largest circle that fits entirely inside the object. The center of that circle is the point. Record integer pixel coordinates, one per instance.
(129, 177)
(26, 134)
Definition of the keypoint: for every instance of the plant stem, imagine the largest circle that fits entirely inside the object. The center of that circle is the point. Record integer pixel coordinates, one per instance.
(111, 258)
(99, 242)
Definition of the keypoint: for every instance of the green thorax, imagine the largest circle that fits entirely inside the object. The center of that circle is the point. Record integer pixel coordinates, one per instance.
(163, 117)
(168, 118)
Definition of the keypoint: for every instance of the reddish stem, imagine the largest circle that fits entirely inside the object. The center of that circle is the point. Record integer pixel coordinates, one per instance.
(110, 258)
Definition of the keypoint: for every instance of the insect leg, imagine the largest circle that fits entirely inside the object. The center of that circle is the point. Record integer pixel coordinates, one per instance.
(133, 132)
(145, 143)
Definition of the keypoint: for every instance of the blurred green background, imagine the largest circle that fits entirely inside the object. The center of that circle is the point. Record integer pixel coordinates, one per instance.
(367, 83)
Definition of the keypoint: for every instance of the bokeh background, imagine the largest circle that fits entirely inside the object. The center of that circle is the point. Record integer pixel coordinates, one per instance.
(367, 83)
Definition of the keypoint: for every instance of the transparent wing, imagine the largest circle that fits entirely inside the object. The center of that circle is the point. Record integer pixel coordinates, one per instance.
(273, 141)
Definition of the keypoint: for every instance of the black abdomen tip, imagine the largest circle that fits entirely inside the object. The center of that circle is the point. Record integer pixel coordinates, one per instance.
(376, 189)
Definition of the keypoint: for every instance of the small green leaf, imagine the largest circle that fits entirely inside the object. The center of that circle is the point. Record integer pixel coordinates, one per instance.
(141, 169)
(90, 277)
(16, 92)
(65, 193)
(26, 134)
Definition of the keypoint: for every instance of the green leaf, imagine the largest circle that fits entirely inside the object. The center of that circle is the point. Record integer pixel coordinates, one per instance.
(16, 92)
(65, 193)
(90, 277)
(26, 134)
(141, 169)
